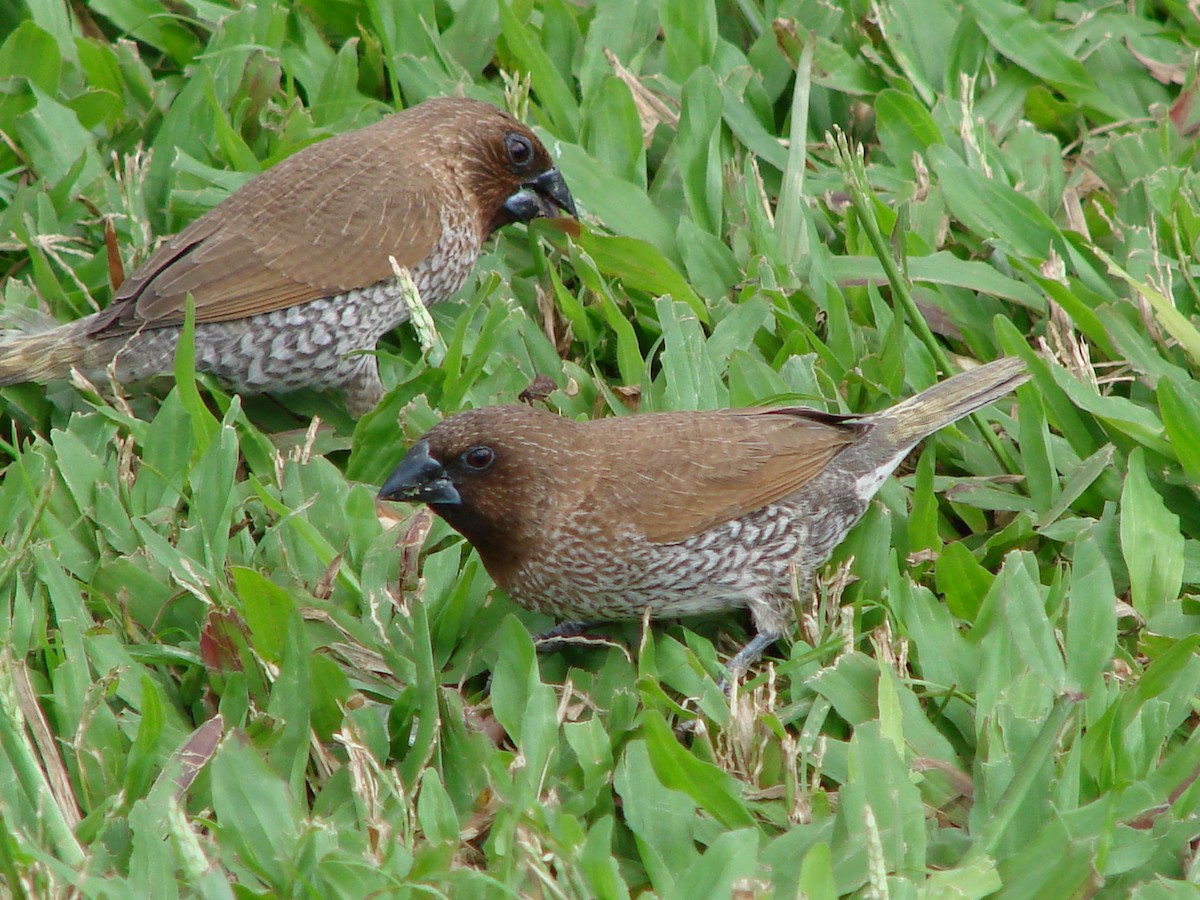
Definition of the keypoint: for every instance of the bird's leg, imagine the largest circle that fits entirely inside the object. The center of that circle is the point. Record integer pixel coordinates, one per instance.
(362, 389)
(746, 657)
(773, 616)
(554, 638)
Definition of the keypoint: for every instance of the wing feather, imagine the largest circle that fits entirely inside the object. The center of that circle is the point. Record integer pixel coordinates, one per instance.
(697, 471)
(254, 254)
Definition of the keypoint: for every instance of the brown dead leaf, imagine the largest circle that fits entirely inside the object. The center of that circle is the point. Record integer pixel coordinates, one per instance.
(116, 267)
(199, 748)
(1183, 112)
(410, 548)
(324, 588)
(652, 111)
(44, 739)
(1162, 72)
(629, 394)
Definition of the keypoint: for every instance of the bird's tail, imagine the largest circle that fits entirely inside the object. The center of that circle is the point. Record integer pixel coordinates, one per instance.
(43, 355)
(950, 400)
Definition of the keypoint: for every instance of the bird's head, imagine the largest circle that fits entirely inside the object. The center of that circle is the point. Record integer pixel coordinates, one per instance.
(503, 164)
(495, 474)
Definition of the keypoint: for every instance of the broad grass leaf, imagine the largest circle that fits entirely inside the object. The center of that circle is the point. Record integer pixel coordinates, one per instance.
(697, 148)
(254, 812)
(213, 493)
(143, 20)
(879, 778)
(30, 52)
(1179, 405)
(851, 685)
(923, 518)
(1175, 322)
(662, 819)
(61, 147)
(515, 676)
(1060, 401)
(962, 580)
(266, 607)
(1091, 619)
(710, 264)
(905, 128)
(690, 32)
(556, 97)
(472, 35)
(816, 874)
(1150, 541)
(919, 34)
(1081, 479)
(614, 131)
(1059, 858)
(708, 786)
(204, 425)
(749, 130)
(1037, 459)
(1031, 44)
(81, 469)
(291, 705)
(1024, 611)
(691, 377)
(990, 207)
(640, 266)
(621, 205)
(435, 812)
(152, 864)
(728, 860)
(599, 862)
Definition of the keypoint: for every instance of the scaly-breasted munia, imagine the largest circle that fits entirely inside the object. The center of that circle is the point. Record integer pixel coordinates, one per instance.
(680, 513)
(290, 275)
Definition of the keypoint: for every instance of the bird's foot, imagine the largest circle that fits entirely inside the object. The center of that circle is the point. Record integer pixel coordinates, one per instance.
(741, 661)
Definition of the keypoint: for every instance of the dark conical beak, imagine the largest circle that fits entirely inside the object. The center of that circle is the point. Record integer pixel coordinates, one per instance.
(547, 195)
(420, 477)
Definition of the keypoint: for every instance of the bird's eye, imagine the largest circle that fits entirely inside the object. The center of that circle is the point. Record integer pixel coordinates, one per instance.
(478, 458)
(520, 150)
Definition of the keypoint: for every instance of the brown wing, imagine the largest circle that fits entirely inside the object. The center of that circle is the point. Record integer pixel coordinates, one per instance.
(695, 471)
(319, 223)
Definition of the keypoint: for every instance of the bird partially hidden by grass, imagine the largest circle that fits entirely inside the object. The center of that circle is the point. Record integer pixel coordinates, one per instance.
(680, 513)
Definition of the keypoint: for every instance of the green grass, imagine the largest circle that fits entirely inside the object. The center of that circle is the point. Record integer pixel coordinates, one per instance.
(226, 672)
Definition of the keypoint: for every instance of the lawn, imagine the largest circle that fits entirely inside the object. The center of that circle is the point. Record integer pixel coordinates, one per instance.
(227, 671)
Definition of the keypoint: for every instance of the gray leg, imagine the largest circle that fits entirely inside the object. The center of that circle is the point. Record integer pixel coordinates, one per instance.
(747, 656)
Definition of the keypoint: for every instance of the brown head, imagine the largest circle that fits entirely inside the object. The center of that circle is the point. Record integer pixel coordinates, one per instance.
(497, 159)
(325, 220)
(497, 475)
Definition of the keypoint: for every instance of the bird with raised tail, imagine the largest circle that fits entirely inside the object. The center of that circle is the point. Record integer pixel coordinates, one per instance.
(680, 513)
(291, 276)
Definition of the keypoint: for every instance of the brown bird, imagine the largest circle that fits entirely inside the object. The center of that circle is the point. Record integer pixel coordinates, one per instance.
(290, 275)
(679, 513)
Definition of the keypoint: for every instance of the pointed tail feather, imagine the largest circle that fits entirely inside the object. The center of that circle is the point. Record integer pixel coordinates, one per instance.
(950, 400)
(43, 356)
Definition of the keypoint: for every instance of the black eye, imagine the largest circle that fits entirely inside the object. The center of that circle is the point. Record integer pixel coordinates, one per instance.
(520, 150)
(478, 458)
